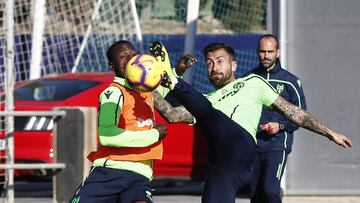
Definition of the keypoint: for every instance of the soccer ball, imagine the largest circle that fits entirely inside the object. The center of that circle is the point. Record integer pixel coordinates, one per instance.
(143, 73)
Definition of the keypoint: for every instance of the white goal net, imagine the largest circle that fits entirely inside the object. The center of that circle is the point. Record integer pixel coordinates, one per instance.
(66, 35)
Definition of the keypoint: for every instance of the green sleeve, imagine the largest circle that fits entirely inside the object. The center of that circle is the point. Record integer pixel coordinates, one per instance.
(268, 93)
(163, 91)
(111, 100)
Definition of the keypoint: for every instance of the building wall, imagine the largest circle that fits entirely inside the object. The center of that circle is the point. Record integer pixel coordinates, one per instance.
(324, 51)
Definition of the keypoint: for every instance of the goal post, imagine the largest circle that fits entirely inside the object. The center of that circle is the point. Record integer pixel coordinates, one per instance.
(9, 86)
(37, 36)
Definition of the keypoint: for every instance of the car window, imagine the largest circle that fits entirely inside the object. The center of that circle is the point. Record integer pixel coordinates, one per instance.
(52, 90)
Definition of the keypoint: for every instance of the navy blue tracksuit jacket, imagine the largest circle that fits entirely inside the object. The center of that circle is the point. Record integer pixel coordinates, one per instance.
(289, 87)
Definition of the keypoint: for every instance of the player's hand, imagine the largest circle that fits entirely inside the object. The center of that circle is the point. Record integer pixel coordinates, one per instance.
(162, 130)
(184, 63)
(340, 139)
(271, 128)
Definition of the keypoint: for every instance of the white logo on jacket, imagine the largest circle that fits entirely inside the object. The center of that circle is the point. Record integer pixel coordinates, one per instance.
(142, 123)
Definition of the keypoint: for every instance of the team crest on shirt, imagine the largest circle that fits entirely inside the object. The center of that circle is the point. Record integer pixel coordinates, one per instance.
(76, 199)
(279, 88)
(238, 85)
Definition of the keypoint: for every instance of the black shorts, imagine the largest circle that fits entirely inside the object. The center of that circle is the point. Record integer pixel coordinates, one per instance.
(223, 186)
(113, 185)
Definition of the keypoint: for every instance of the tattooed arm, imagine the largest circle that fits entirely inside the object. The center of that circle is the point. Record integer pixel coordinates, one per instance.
(171, 114)
(305, 120)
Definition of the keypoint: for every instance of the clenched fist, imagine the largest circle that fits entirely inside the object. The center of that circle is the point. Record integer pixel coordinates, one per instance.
(184, 63)
(162, 130)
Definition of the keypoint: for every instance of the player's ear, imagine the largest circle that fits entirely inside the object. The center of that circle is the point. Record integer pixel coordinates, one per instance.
(277, 53)
(111, 66)
(233, 65)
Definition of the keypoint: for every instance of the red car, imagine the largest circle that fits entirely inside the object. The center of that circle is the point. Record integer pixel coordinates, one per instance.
(184, 147)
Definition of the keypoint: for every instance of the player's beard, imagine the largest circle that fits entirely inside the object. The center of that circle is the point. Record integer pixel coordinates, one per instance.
(267, 63)
(220, 80)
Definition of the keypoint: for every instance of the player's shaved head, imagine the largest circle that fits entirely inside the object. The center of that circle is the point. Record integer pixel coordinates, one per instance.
(269, 36)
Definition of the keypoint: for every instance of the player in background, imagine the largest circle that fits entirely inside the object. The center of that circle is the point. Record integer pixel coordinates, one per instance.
(275, 137)
(130, 140)
(230, 117)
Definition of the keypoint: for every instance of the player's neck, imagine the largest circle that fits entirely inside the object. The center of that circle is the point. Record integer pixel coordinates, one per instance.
(270, 68)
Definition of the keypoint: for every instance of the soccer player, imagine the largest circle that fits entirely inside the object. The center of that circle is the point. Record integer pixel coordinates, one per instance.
(129, 139)
(230, 117)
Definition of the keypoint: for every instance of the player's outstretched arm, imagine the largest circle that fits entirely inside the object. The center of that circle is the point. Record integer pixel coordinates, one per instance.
(171, 114)
(306, 120)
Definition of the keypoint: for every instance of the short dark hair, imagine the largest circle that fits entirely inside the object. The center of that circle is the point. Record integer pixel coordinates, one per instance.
(270, 36)
(219, 45)
(117, 47)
